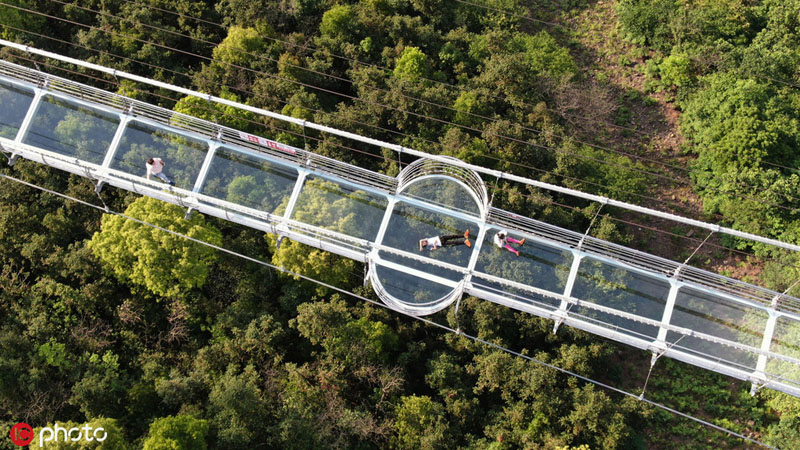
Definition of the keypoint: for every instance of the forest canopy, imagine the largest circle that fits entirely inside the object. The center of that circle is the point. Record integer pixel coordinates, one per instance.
(170, 344)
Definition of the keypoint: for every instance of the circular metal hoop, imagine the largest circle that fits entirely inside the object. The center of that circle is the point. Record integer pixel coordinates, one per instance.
(427, 168)
(420, 309)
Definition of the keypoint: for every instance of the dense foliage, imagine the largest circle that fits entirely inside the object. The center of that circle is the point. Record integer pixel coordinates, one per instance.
(732, 66)
(173, 345)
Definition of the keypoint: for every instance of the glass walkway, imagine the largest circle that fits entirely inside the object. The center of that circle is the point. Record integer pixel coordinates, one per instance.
(651, 303)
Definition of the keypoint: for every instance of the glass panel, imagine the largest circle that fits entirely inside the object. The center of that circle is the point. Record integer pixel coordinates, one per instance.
(410, 289)
(340, 207)
(183, 156)
(625, 290)
(627, 327)
(249, 180)
(409, 224)
(15, 100)
(516, 294)
(785, 341)
(539, 265)
(444, 192)
(73, 130)
(715, 315)
(422, 267)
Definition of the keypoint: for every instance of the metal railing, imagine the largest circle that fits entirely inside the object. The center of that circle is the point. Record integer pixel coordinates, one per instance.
(202, 128)
(641, 260)
(425, 168)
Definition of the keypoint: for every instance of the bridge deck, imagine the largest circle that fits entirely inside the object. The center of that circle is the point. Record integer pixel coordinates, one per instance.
(651, 303)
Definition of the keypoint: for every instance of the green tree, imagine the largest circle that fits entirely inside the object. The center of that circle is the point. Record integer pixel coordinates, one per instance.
(215, 112)
(241, 410)
(319, 264)
(10, 17)
(738, 127)
(339, 22)
(241, 47)
(773, 52)
(412, 64)
(420, 423)
(165, 264)
(180, 432)
(469, 105)
(101, 389)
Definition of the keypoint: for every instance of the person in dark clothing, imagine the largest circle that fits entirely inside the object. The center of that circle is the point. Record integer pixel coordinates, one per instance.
(432, 243)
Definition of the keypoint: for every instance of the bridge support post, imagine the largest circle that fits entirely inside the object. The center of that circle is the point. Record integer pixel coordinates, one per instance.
(201, 177)
(563, 308)
(385, 222)
(759, 376)
(124, 119)
(26, 122)
(298, 186)
(476, 251)
(660, 344)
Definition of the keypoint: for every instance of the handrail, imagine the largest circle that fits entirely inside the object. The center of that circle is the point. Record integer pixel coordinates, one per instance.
(400, 149)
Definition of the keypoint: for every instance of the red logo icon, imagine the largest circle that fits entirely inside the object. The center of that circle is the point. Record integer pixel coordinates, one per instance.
(21, 434)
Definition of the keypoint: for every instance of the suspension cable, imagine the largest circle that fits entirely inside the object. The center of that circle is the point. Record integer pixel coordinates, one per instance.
(386, 70)
(355, 98)
(676, 206)
(394, 147)
(350, 81)
(538, 131)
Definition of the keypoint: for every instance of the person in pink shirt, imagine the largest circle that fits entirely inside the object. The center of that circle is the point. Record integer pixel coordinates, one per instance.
(155, 167)
(501, 239)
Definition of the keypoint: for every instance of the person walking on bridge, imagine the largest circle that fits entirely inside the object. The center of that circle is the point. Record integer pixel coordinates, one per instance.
(502, 240)
(450, 240)
(155, 167)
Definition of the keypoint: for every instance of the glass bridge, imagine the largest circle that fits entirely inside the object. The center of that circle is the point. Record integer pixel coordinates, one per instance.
(651, 303)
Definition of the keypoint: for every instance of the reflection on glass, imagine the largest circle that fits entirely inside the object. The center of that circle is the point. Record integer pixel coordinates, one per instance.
(443, 192)
(519, 295)
(70, 129)
(249, 180)
(183, 156)
(409, 224)
(621, 289)
(422, 266)
(410, 289)
(719, 317)
(537, 265)
(340, 207)
(15, 100)
(785, 341)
